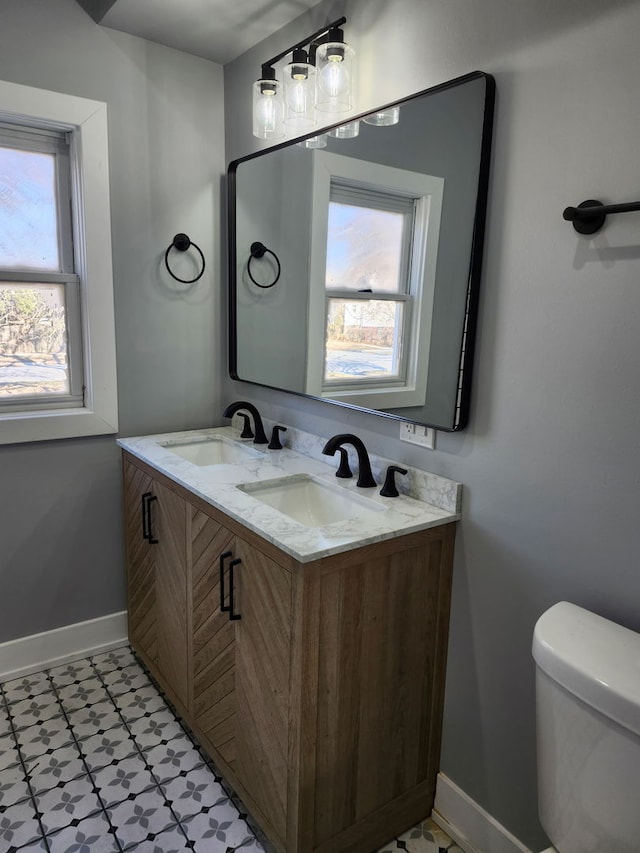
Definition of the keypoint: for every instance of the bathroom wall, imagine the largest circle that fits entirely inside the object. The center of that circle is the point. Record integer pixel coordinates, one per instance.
(61, 545)
(550, 462)
(279, 313)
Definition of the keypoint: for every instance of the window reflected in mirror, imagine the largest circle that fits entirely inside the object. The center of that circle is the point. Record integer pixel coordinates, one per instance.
(369, 236)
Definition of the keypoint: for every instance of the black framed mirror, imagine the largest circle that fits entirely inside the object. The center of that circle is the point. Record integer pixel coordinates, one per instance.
(355, 266)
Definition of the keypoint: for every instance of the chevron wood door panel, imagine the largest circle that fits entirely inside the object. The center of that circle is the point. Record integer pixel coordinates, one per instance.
(378, 630)
(141, 588)
(263, 641)
(169, 516)
(213, 638)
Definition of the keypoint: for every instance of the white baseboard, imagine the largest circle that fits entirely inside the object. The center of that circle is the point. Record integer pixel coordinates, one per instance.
(470, 826)
(62, 645)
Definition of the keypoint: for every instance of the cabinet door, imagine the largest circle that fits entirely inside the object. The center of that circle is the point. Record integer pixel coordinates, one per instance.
(263, 638)
(169, 524)
(213, 637)
(141, 587)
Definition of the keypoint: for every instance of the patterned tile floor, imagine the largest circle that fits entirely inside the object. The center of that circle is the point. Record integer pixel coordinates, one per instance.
(93, 760)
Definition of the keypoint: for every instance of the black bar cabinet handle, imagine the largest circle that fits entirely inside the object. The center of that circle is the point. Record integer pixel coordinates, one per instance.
(232, 614)
(223, 607)
(152, 541)
(147, 500)
(145, 515)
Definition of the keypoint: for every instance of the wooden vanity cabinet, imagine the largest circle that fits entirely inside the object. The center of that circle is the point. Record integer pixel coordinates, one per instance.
(241, 664)
(157, 579)
(141, 578)
(322, 703)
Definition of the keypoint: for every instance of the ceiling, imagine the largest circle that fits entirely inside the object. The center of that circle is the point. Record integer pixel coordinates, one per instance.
(219, 30)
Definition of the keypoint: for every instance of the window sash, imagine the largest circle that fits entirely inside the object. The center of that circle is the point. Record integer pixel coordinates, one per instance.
(343, 192)
(73, 328)
(365, 295)
(401, 330)
(28, 138)
(57, 143)
(358, 195)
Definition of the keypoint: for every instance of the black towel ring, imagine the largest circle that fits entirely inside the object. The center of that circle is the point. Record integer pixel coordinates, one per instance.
(181, 242)
(259, 250)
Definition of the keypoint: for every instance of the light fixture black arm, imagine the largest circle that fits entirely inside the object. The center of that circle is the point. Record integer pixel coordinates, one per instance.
(181, 242)
(305, 42)
(259, 250)
(589, 216)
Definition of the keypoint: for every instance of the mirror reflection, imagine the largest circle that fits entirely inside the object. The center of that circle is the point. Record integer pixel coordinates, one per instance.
(355, 257)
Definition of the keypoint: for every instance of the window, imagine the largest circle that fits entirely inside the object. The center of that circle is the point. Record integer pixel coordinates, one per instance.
(367, 278)
(57, 342)
(40, 334)
(374, 249)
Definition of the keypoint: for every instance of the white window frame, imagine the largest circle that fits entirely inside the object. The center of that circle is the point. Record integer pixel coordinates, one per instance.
(86, 122)
(405, 206)
(428, 192)
(54, 143)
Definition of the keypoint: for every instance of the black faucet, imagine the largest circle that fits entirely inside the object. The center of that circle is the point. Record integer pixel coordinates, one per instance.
(258, 427)
(365, 477)
(390, 490)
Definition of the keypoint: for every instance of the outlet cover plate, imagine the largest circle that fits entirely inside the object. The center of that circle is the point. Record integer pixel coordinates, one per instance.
(418, 434)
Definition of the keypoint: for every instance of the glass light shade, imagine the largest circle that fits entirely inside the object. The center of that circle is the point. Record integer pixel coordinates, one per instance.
(384, 118)
(346, 131)
(314, 142)
(267, 109)
(335, 64)
(300, 96)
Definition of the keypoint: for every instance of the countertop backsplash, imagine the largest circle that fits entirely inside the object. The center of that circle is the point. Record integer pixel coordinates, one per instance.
(418, 484)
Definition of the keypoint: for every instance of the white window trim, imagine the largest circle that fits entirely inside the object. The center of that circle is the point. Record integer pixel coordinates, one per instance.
(87, 122)
(430, 191)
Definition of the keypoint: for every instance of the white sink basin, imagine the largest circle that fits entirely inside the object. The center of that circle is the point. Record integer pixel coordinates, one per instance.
(210, 450)
(311, 501)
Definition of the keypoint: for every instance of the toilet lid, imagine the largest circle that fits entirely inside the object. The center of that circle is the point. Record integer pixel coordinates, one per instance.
(593, 658)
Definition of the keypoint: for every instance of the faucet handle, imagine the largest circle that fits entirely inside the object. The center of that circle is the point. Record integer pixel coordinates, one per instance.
(275, 443)
(390, 490)
(343, 468)
(247, 432)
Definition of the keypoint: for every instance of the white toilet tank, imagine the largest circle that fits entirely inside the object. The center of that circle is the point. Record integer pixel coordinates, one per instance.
(588, 725)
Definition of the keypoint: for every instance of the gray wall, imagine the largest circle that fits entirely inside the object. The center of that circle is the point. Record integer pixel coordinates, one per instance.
(61, 545)
(272, 322)
(550, 461)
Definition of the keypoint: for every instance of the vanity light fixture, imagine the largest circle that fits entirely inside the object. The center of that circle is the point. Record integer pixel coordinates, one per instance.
(319, 141)
(349, 130)
(319, 77)
(300, 92)
(267, 105)
(335, 73)
(384, 118)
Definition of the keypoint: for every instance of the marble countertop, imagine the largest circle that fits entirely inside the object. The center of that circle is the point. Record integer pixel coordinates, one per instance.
(436, 500)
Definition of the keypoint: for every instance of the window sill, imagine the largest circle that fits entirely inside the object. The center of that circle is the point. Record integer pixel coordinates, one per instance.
(21, 427)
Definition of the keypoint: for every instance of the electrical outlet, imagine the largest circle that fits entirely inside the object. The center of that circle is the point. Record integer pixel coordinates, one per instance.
(418, 434)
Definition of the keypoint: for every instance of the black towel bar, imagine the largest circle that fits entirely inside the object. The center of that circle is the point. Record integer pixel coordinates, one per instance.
(589, 216)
